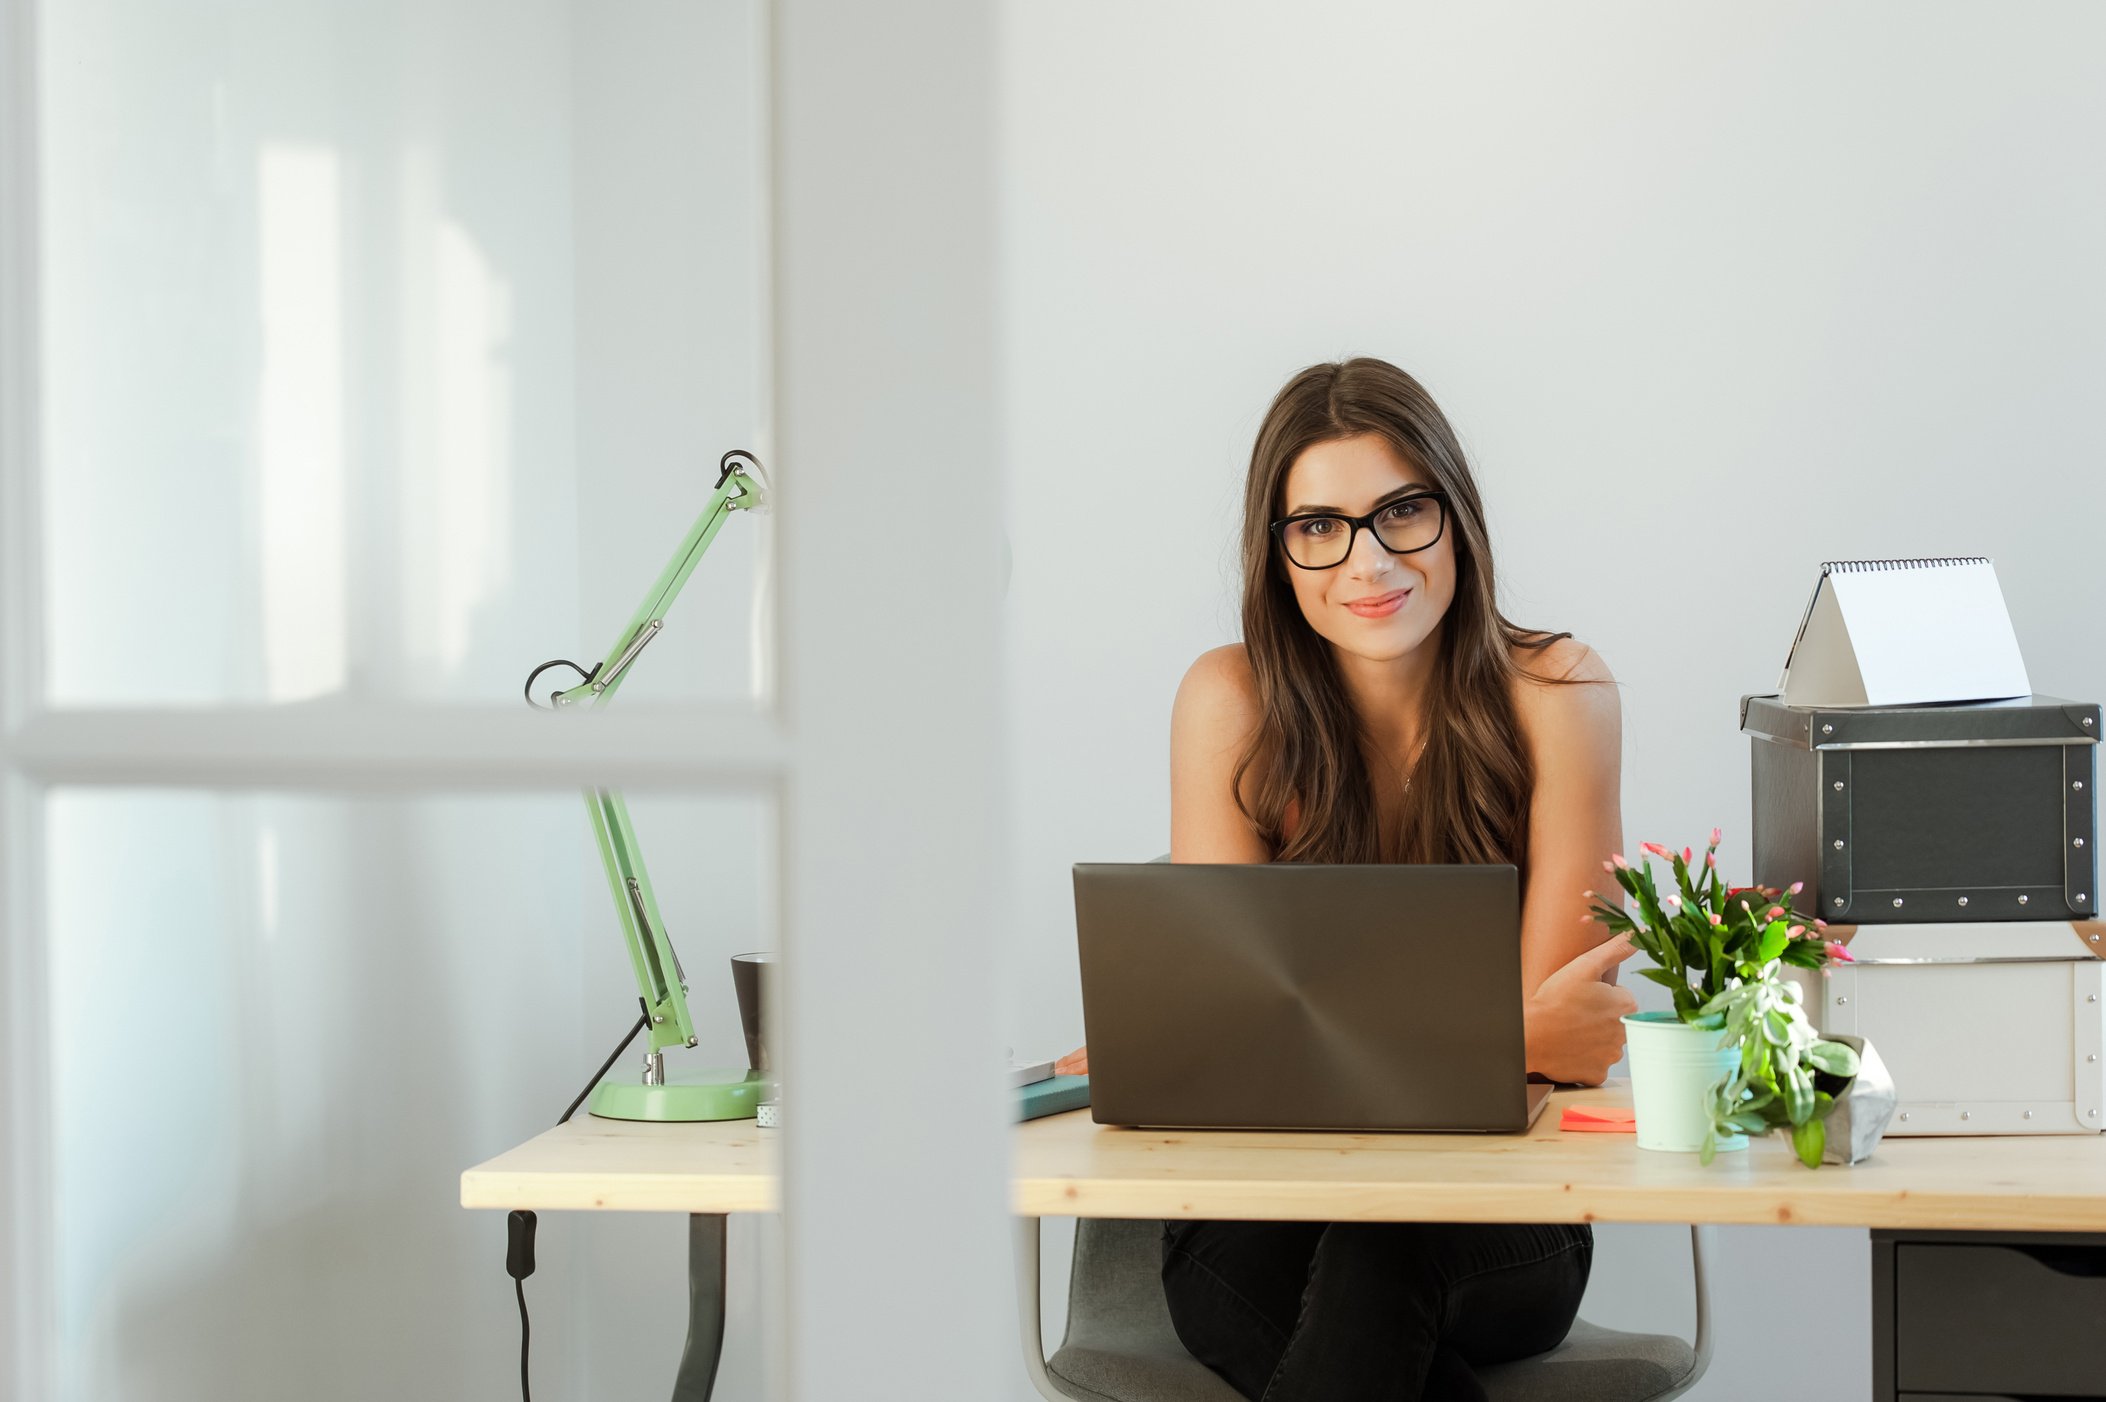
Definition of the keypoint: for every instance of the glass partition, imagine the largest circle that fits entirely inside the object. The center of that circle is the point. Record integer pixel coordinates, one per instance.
(281, 1025)
(389, 346)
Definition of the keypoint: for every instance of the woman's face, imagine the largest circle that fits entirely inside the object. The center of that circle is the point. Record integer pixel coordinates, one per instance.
(1375, 605)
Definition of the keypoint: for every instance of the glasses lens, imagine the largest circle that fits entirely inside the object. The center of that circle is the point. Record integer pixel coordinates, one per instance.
(1411, 524)
(1317, 542)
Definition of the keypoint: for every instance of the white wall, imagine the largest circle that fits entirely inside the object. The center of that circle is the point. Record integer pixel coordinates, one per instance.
(1711, 293)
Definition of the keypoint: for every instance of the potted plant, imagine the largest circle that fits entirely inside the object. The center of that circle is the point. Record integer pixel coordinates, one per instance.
(1737, 1055)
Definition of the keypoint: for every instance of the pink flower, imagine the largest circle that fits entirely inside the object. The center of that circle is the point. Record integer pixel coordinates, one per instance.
(1607, 868)
(1836, 951)
(1820, 924)
(1715, 832)
(1717, 920)
(1710, 861)
(1621, 864)
(1657, 850)
(1774, 912)
(1796, 887)
(1688, 856)
(1671, 903)
(1794, 932)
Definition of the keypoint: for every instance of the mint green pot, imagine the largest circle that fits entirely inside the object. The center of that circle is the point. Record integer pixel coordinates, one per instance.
(1673, 1068)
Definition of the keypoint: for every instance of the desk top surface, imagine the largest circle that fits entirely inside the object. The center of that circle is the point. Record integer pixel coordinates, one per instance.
(1067, 1166)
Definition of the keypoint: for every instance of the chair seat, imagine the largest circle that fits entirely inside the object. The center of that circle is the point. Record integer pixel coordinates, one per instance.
(1121, 1347)
(1592, 1365)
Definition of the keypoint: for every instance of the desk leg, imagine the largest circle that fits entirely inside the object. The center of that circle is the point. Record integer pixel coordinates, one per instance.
(705, 1309)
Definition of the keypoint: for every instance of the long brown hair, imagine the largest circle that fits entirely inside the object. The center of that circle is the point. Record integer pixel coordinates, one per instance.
(1468, 800)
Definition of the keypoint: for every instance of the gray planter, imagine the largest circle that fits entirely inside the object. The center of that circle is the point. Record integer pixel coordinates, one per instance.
(1863, 1109)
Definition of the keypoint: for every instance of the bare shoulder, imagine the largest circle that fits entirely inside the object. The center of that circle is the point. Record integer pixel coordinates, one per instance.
(1566, 692)
(1219, 691)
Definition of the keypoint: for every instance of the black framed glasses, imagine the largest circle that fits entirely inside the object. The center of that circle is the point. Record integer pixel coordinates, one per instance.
(1322, 540)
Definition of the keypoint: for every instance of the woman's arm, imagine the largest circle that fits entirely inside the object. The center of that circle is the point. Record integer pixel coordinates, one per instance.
(1210, 724)
(1211, 721)
(1575, 738)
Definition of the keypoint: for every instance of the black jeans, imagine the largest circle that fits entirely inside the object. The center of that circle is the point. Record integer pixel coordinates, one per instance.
(1353, 1311)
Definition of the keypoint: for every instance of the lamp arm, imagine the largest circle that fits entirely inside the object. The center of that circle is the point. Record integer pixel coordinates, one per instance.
(659, 978)
(736, 490)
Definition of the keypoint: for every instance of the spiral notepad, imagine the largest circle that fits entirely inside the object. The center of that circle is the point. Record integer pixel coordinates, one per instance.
(1904, 632)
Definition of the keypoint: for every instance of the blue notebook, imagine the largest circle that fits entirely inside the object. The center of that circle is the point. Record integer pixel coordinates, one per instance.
(1050, 1097)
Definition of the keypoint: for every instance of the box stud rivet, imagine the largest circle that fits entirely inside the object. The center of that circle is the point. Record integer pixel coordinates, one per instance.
(2091, 1056)
(2091, 1114)
(2080, 842)
(1839, 844)
(1839, 786)
(2023, 899)
(2091, 997)
(1966, 1114)
(1841, 1001)
(2087, 726)
(1830, 730)
(1963, 900)
(1904, 1116)
(2029, 1114)
(1838, 902)
(1897, 903)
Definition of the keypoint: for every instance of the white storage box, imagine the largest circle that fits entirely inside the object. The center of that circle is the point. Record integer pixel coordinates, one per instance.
(1987, 1029)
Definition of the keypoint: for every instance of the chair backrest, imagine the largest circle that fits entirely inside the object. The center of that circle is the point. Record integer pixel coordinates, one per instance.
(1117, 1279)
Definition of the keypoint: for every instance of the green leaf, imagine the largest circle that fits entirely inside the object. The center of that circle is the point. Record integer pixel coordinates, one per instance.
(1836, 1058)
(1748, 1122)
(1660, 976)
(1773, 941)
(1798, 1094)
(1809, 1139)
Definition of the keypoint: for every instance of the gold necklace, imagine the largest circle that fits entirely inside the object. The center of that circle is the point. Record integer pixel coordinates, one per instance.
(1412, 772)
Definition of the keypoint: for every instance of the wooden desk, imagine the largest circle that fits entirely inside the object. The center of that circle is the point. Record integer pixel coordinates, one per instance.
(1066, 1166)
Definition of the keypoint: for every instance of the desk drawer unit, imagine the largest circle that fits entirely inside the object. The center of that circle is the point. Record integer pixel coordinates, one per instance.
(1961, 1314)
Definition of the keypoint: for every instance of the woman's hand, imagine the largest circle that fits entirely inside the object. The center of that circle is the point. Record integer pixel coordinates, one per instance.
(1573, 1022)
(1075, 1063)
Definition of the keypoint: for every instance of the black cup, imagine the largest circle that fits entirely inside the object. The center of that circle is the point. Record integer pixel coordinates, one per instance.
(749, 978)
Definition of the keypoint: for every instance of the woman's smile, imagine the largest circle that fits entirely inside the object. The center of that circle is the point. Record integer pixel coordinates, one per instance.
(1379, 605)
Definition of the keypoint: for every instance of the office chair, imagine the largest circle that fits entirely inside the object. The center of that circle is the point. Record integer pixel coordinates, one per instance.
(1121, 1347)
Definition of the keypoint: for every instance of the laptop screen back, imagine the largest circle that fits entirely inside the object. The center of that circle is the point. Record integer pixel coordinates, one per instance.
(1287, 996)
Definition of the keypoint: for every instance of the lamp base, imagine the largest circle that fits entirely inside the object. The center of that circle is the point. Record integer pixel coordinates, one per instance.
(703, 1095)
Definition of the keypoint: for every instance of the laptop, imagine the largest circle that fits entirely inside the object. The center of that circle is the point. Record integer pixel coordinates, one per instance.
(1304, 996)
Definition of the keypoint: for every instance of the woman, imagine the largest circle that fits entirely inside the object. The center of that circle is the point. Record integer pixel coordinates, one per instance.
(1381, 709)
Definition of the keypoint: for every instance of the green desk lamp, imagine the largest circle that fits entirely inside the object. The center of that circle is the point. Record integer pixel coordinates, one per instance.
(661, 983)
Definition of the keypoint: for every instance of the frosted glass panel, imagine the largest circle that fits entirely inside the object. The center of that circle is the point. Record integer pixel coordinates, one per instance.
(390, 345)
(281, 1026)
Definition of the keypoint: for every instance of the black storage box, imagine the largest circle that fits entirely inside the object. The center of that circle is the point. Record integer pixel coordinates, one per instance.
(1982, 811)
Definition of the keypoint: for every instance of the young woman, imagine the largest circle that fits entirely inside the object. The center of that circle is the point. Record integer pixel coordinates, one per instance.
(1381, 709)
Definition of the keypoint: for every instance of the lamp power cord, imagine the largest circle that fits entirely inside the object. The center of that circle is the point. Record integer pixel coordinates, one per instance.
(519, 1223)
